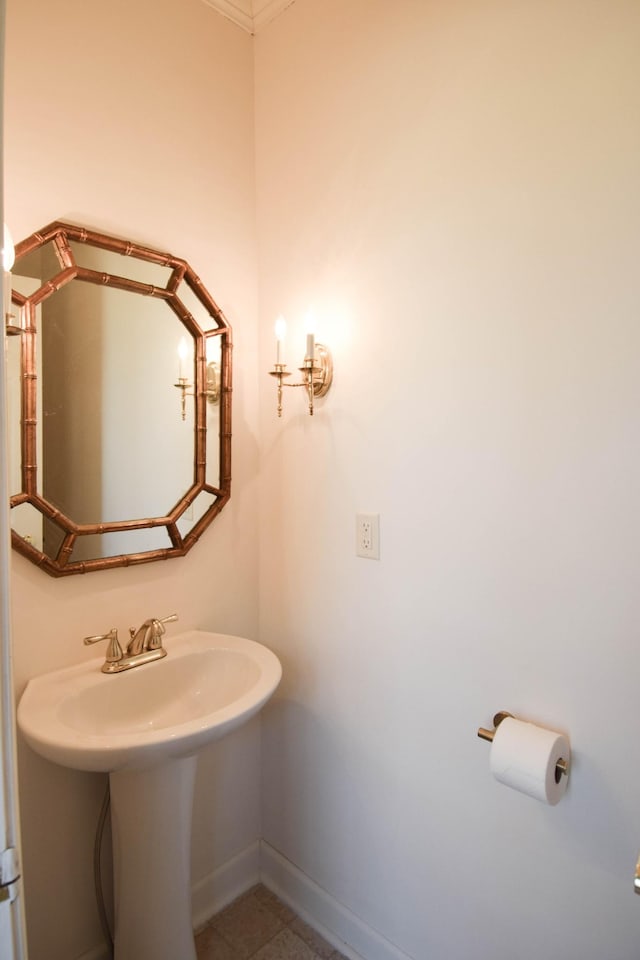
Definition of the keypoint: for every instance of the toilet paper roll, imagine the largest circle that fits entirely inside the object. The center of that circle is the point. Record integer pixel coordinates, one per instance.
(524, 756)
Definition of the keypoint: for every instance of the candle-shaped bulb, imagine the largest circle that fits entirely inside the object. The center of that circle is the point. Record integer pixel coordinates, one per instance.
(183, 351)
(310, 325)
(281, 330)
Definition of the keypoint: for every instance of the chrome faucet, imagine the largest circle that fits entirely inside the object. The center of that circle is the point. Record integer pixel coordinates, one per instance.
(145, 644)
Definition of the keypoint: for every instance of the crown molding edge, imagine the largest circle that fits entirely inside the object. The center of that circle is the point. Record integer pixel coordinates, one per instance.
(235, 12)
(264, 11)
(251, 15)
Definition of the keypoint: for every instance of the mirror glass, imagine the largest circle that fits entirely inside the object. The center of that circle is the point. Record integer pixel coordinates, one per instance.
(118, 388)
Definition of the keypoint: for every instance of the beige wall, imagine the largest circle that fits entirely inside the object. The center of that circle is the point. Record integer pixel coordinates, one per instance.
(136, 118)
(454, 186)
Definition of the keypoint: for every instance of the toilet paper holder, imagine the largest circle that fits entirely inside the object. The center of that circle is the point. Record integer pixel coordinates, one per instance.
(562, 766)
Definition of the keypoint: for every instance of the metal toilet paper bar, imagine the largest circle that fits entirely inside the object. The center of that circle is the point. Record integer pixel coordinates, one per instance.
(562, 766)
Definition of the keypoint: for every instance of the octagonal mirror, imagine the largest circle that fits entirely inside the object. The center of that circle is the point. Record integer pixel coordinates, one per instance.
(119, 397)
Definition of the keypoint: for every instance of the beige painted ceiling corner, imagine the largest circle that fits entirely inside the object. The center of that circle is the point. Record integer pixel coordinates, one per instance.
(251, 15)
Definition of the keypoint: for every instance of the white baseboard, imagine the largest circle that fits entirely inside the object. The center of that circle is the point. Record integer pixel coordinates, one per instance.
(337, 924)
(219, 888)
(261, 863)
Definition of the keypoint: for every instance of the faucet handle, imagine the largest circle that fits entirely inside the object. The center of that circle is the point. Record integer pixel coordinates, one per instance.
(158, 631)
(171, 619)
(114, 650)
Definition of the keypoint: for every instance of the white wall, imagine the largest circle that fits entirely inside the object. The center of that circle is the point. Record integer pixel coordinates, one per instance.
(454, 187)
(137, 119)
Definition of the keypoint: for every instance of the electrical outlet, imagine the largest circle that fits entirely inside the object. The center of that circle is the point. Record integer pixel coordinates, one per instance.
(368, 536)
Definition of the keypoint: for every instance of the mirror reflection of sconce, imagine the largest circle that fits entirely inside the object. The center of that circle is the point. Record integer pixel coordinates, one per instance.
(185, 385)
(317, 366)
(12, 327)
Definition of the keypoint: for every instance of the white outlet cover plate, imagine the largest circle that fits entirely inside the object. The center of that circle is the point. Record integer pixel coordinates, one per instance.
(368, 536)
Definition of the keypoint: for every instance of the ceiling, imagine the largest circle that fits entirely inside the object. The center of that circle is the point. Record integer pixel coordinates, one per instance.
(251, 15)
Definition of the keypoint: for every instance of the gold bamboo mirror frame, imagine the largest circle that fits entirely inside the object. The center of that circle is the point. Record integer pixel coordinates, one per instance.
(111, 465)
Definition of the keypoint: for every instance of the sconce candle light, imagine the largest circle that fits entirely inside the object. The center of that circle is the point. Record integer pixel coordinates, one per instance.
(317, 367)
(185, 385)
(311, 337)
(281, 332)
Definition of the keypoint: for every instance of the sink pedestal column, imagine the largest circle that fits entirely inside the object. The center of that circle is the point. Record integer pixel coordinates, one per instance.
(151, 826)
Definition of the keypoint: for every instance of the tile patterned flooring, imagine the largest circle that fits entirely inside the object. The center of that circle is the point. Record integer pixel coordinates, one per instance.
(259, 926)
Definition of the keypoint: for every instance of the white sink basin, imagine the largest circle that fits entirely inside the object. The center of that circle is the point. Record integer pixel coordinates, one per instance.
(207, 685)
(145, 727)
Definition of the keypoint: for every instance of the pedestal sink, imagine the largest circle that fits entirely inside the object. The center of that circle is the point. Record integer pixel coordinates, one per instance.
(144, 727)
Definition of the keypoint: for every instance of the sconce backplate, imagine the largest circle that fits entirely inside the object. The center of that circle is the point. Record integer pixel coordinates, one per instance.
(323, 377)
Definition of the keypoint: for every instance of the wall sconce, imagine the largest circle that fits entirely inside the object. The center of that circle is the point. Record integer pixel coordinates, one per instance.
(8, 259)
(212, 386)
(317, 367)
